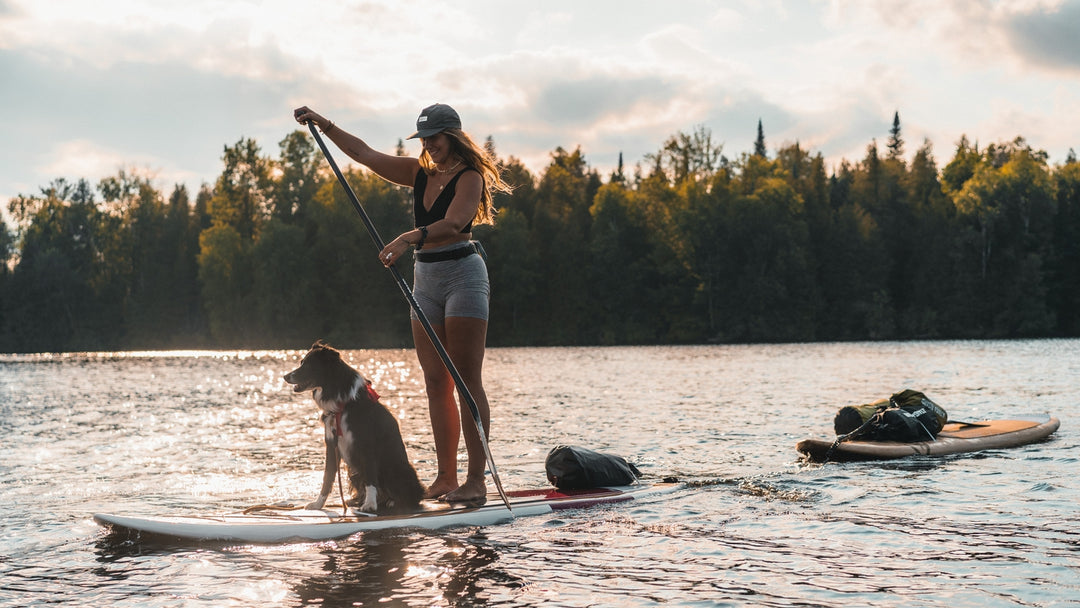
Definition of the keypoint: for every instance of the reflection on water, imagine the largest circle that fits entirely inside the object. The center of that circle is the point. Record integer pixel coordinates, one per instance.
(379, 567)
(198, 432)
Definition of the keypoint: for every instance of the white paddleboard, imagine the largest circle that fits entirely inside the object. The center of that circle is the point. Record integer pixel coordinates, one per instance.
(270, 526)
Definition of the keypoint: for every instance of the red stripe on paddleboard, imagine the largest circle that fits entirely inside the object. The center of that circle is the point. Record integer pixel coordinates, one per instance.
(556, 494)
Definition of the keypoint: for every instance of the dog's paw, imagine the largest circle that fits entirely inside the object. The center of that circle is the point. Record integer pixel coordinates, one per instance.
(371, 500)
(316, 504)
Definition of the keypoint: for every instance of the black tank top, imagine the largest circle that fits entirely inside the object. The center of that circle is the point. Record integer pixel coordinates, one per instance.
(425, 217)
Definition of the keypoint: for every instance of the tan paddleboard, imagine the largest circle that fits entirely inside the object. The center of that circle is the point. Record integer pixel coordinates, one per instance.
(955, 438)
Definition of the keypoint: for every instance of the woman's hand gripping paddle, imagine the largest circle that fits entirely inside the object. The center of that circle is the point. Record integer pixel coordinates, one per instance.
(379, 245)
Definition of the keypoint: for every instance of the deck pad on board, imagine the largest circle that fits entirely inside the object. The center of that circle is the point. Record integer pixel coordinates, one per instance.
(986, 428)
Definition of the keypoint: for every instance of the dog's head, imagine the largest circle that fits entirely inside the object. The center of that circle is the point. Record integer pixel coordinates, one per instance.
(322, 368)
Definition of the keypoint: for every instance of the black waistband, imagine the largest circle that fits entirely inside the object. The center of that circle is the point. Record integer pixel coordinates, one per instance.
(442, 256)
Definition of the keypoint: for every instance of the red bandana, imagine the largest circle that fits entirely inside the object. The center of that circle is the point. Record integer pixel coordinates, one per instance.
(371, 392)
(341, 409)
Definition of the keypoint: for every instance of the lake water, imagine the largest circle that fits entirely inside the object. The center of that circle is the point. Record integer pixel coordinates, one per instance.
(203, 432)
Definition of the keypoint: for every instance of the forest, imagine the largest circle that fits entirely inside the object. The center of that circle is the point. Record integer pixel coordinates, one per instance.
(688, 246)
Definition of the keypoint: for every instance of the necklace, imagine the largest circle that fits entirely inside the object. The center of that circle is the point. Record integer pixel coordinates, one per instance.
(456, 165)
(445, 171)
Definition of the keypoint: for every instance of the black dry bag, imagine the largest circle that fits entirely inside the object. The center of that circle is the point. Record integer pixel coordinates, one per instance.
(906, 416)
(574, 468)
(929, 417)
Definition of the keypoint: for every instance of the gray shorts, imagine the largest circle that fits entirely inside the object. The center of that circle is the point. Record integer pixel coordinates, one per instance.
(452, 288)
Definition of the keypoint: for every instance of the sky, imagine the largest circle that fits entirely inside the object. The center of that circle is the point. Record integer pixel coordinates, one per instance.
(160, 88)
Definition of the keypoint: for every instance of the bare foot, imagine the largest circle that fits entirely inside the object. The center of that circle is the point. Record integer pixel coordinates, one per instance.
(441, 486)
(472, 491)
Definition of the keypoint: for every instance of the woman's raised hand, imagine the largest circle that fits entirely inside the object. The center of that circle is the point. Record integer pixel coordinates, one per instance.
(304, 115)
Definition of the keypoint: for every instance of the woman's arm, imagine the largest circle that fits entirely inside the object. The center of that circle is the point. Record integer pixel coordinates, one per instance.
(400, 170)
(461, 211)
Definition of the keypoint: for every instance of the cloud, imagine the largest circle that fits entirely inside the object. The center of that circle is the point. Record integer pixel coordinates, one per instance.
(1050, 38)
(1020, 34)
(82, 157)
(168, 85)
(584, 101)
(8, 9)
(169, 115)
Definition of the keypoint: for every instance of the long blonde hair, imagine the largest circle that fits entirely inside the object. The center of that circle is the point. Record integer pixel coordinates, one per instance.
(478, 158)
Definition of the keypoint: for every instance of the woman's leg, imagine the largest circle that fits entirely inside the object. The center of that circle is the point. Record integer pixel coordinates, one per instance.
(442, 408)
(465, 342)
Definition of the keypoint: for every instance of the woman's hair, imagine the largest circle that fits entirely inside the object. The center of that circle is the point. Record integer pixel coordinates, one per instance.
(478, 158)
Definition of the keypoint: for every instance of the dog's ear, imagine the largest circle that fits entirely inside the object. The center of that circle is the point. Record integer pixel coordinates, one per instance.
(325, 352)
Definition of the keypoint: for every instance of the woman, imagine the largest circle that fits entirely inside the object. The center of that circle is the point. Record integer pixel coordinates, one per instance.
(453, 181)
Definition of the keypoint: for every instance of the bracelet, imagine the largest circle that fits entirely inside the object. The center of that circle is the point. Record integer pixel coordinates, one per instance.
(423, 237)
(329, 127)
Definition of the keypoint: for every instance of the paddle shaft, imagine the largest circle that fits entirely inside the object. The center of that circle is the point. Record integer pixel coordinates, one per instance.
(458, 381)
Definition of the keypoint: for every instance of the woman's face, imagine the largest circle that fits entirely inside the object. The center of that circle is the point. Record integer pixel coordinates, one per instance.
(437, 147)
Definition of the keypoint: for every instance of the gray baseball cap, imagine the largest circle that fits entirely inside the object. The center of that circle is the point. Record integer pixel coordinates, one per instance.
(434, 119)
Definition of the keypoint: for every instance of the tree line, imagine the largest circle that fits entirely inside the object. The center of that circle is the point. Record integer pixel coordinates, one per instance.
(689, 246)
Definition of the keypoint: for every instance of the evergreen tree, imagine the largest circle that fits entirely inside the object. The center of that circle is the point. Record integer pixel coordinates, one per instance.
(66, 290)
(7, 250)
(622, 269)
(238, 208)
(618, 176)
(896, 143)
(297, 179)
(1010, 202)
(201, 212)
(962, 167)
(514, 265)
(560, 235)
(351, 299)
(147, 256)
(1064, 263)
(759, 143)
(182, 313)
(7, 247)
(242, 191)
(225, 276)
(928, 268)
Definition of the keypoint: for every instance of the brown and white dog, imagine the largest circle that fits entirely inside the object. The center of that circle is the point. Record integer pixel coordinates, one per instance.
(359, 430)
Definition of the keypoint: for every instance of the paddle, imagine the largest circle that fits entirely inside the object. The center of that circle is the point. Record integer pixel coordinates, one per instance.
(465, 394)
